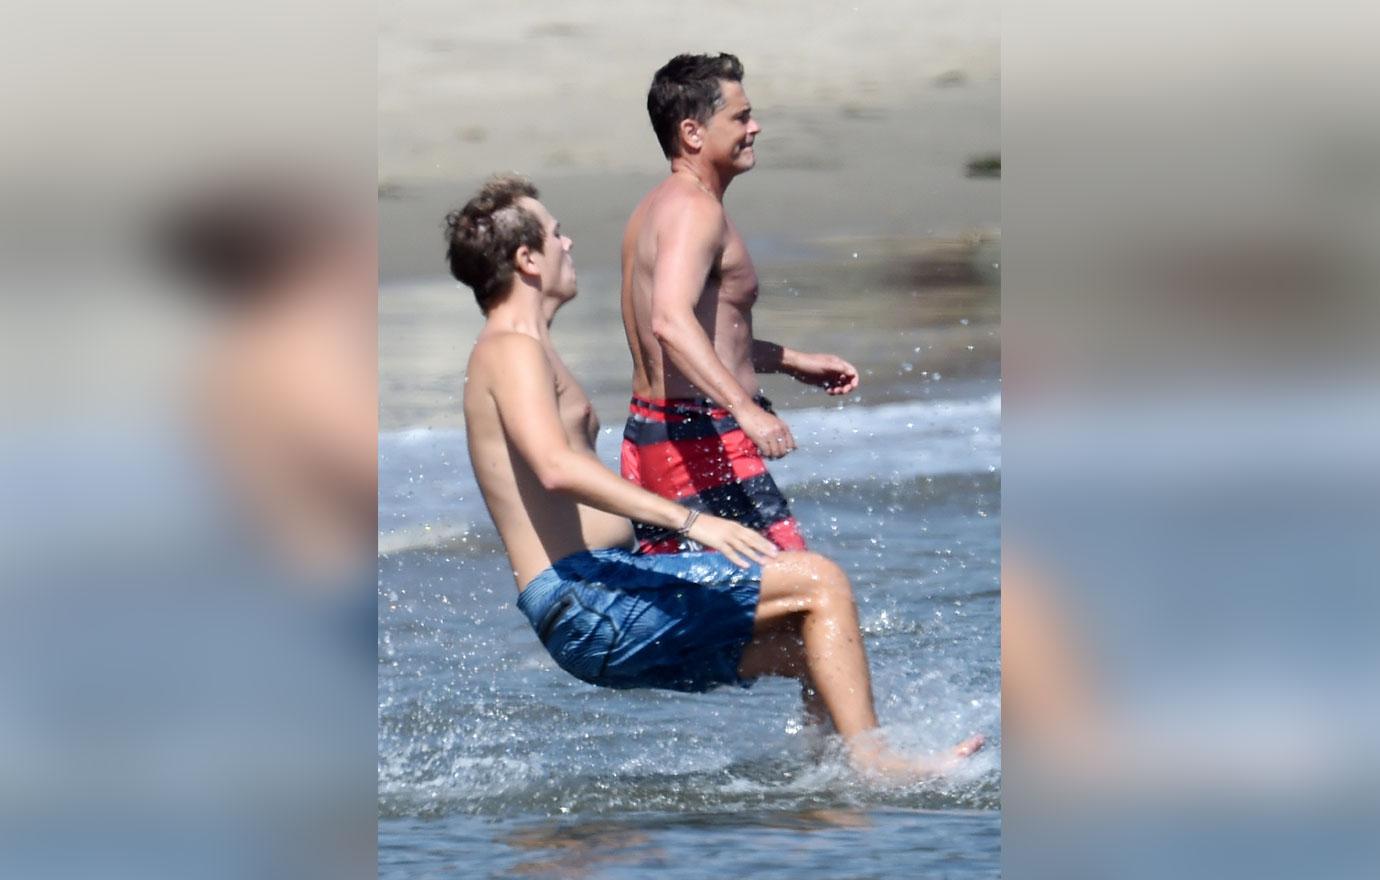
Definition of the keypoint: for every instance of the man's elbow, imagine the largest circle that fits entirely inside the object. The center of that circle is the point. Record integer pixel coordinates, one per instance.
(559, 473)
(666, 330)
(555, 478)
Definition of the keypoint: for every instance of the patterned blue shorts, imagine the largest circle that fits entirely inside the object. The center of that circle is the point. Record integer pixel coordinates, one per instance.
(674, 621)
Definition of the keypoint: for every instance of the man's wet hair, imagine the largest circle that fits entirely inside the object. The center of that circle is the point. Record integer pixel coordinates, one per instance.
(688, 87)
(484, 235)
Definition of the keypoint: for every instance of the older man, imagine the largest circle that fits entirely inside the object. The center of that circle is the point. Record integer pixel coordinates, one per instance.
(698, 426)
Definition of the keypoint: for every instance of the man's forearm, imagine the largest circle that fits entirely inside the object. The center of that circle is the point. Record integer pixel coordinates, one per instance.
(589, 482)
(769, 357)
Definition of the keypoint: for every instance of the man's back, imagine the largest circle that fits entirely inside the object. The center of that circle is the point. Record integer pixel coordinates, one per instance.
(680, 247)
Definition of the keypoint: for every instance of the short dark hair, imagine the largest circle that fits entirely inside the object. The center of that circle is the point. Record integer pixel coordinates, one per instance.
(687, 87)
(483, 236)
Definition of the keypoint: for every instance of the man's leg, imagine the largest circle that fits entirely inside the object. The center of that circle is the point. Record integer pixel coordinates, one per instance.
(780, 649)
(807, 628)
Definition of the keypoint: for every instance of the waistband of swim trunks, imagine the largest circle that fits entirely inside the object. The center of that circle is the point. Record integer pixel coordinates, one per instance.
(538, 590)
(661, 407)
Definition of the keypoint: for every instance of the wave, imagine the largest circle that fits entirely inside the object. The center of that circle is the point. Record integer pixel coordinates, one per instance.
(428, 497)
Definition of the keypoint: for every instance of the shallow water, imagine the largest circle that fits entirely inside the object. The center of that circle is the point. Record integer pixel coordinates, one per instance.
(493, 761)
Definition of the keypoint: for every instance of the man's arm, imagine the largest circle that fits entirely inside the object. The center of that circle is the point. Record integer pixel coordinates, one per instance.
(831, 372)
(767, 357)
(525, 399)
(686, 250)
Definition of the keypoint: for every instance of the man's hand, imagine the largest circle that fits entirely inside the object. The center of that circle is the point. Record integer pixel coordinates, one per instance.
(740, 544)
(771, 435)
(830, 372)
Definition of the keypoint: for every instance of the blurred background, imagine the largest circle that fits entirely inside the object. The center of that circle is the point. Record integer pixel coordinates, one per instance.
(1190, 435)
(188, 462)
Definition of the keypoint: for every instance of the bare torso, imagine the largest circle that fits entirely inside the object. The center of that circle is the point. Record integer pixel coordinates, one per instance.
(538, 527)
(724, 309)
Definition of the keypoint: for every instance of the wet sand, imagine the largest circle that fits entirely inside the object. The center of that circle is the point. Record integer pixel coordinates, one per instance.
(900, 172)
(869, 231)
(890, 259)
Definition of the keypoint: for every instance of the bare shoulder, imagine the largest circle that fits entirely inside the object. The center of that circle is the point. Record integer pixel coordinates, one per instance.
(690, 212)
(498, 354)
(695, 202)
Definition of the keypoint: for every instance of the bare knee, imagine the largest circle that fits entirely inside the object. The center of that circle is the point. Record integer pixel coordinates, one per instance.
(822, 581)
(801, 584)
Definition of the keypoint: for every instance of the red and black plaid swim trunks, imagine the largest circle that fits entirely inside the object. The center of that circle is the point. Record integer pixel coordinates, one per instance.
(693, 452)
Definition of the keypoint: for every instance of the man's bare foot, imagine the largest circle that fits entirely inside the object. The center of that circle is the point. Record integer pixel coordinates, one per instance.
(875, 760)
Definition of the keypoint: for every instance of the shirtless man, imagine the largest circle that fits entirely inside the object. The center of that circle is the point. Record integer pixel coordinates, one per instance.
(698, 425)
(686, 622)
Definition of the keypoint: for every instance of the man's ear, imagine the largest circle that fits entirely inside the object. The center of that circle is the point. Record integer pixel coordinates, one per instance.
(525, 261)
(691, 134)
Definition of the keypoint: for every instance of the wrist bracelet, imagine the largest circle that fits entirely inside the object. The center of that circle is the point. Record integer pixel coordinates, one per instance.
(689, 521)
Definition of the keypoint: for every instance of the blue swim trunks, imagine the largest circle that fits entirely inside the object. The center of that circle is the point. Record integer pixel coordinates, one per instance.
(619, 620)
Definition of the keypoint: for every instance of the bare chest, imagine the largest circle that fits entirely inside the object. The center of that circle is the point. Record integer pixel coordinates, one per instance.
(736, 275)
(577, 414)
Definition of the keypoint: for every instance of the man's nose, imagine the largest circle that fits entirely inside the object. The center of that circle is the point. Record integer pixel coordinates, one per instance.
(754, 127)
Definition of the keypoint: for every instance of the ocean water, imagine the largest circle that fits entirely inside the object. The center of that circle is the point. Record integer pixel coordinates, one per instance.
(495, 763)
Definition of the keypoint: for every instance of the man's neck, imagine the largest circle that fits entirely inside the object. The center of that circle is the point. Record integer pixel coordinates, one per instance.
(702, 174)
(522, 311)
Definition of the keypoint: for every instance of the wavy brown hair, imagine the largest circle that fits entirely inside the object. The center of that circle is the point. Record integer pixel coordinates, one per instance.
(483, 236)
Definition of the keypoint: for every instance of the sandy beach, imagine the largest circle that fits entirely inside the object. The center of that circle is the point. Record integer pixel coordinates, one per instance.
(547, 88)
(870, 112)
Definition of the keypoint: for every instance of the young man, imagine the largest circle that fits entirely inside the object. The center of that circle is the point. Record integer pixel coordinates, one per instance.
(686, 622)
(698, 425)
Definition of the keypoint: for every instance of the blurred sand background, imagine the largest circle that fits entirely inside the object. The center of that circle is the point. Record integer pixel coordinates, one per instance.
(862, 215)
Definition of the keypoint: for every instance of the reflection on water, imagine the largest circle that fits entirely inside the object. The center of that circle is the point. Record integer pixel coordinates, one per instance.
(576, 848)
(572, 850)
